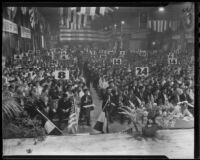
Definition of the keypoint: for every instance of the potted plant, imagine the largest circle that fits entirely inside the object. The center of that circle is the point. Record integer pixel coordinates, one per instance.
(147, 120)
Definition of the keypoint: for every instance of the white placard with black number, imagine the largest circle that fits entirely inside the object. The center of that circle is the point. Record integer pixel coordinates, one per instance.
(122, 53)
(61, 74)
(141, 71)
(17, 57)
(117, 61)
(64, 57)
(171, 55)
(172, 61)
(143, 53)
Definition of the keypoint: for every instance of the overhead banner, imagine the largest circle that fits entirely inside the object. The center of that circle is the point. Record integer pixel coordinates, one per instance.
(9, 26)
(25, 32)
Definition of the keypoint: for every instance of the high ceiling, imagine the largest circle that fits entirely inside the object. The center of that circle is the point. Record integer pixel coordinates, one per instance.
(52, 16)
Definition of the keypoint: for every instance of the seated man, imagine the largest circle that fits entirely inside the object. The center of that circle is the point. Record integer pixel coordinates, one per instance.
(64, 105)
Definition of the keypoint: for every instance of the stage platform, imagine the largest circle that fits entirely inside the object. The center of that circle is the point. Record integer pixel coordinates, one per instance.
(177, 143)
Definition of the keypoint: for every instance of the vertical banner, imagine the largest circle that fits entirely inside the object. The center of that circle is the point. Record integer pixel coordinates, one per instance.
(102, 10)
(161, 26)
(158, 25)
(143, 20)
(92, 11)
(154, 25)
(165, 25)
(69, 17)
(83, 10)
(79, 21)
(74, 19)
(85, 21)
(42, 41)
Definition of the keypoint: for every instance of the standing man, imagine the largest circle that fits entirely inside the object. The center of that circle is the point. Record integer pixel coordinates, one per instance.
(64, 105)
(86, 100)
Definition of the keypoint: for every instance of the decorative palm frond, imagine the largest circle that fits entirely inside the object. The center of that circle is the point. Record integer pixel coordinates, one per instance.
(10, 107)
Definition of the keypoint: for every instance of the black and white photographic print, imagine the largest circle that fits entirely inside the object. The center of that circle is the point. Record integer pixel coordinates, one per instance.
(99, 79)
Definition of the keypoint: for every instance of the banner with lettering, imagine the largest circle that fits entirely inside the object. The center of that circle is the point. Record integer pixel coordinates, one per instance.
(9, 26)
(25, 32)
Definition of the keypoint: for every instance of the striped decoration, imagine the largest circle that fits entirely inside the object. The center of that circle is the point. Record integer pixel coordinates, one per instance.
(83, 35)
(163, 25)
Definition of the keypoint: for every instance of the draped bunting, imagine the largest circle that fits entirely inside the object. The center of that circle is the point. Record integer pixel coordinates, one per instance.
(83, 35)
(163, 25)
(80, 17)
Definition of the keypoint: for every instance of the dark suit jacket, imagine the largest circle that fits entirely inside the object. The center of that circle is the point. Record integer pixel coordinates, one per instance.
(83, 100)
(64, 105)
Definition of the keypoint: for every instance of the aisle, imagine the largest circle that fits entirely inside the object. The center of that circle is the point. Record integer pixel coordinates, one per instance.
(94, 114)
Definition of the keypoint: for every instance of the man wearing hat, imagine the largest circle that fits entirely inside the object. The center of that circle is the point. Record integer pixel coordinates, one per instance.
(86, 100)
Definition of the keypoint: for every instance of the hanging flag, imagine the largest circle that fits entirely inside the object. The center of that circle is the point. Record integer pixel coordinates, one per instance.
(88, 10)
(24, 10)
(85, 21)
(78, 9)
(111, 9)
(50, 128)
(149, 24)
(73, 8)
(74, 19)
(32, 17)
(158, 25)
(73, 120)
(69, 15)
(165, 25)
(170, 24)
(154, 25)
(82, 20)
(97, 11)
(161, 26)
(83, 10)
(92, 11)
(65, 15)
(79, 21)
(143, 20)
(61, 9)
(12, 12)
(102, 10)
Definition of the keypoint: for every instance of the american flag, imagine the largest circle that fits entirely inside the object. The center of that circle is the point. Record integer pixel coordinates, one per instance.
(73, 119)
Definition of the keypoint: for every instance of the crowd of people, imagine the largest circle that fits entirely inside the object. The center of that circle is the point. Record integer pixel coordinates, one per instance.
(32, 80)
(165, 85)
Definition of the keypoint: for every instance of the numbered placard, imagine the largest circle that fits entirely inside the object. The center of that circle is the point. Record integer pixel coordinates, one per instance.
(141, 71)
(61, 74)
(172, 61)
(17, 57)
(122, 53)
(171, 55)
(64, 57)
(110, 52)
(117, 61)
(143, 53)
(37, 51)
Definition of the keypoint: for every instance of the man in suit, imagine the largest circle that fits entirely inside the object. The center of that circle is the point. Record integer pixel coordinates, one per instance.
(86, 100)
(64, 105)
